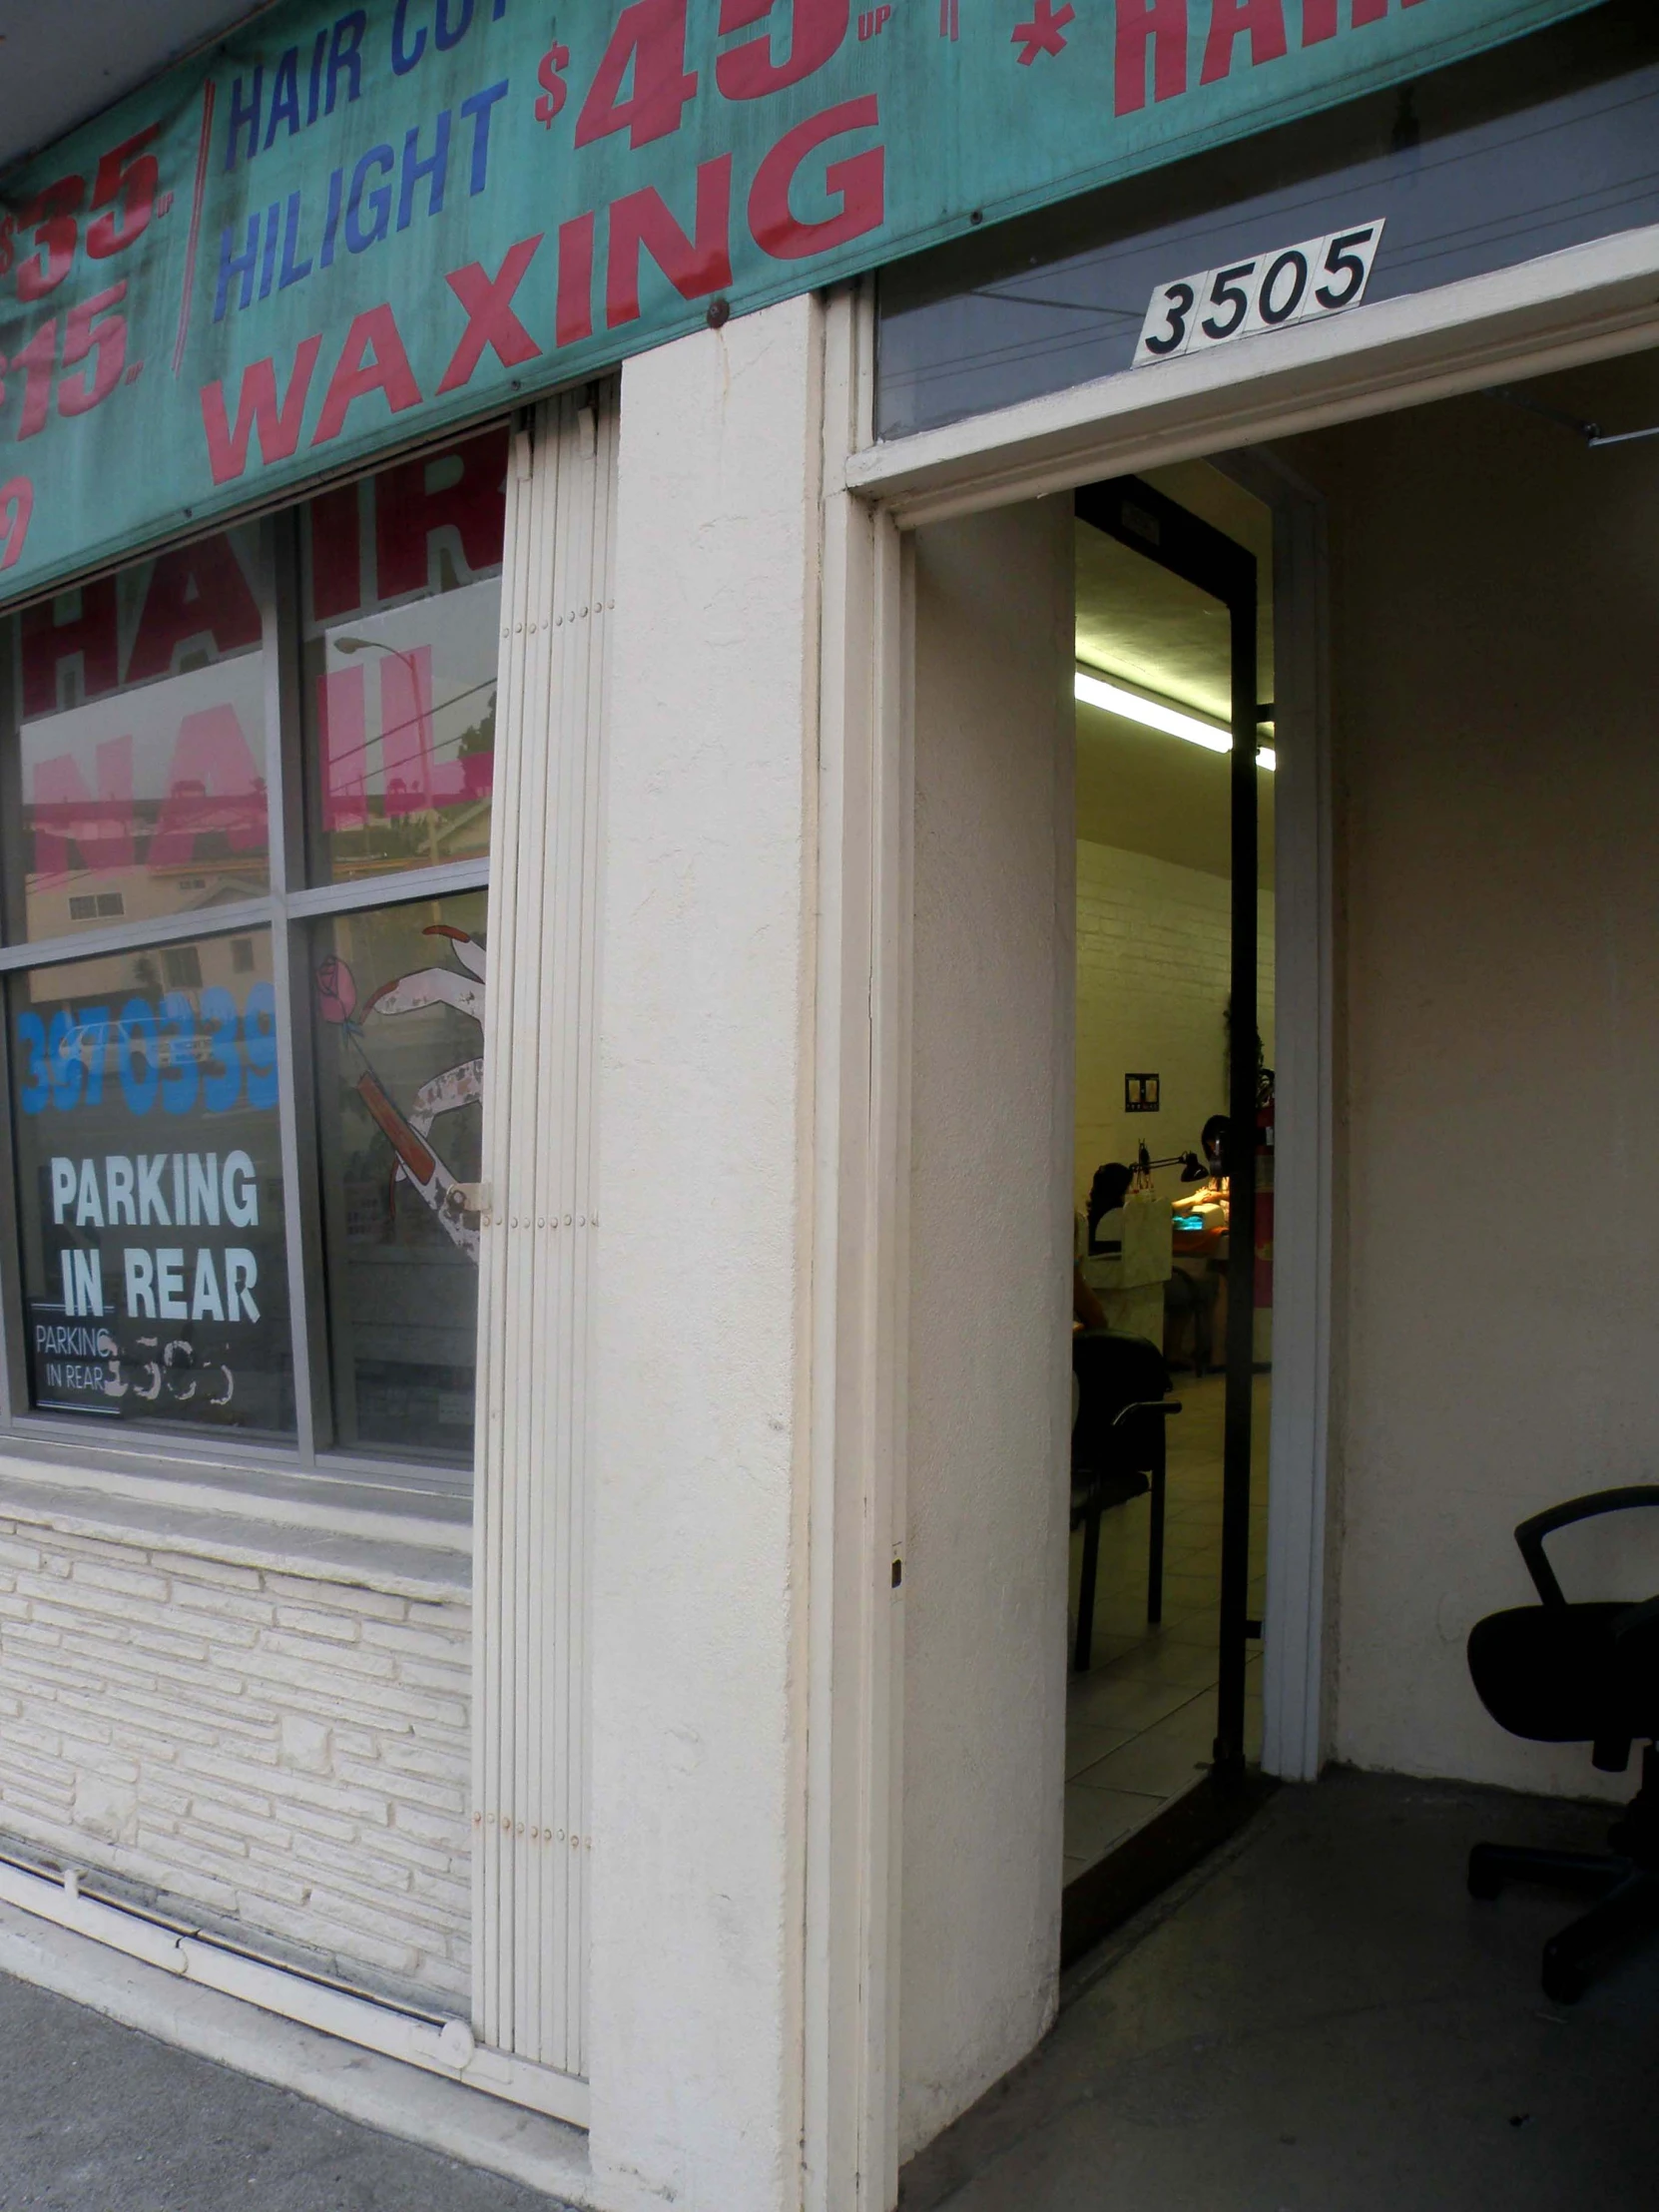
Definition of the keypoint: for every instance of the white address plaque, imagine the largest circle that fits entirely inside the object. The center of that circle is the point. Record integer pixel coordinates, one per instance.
(1270, 291)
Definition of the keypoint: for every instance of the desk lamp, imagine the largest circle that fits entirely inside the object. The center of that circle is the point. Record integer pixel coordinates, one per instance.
(1192, 1167)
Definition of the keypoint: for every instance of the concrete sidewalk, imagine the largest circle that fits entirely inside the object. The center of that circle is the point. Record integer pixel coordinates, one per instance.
(99, 2118)
(1318, 2021)
(1322, 2021)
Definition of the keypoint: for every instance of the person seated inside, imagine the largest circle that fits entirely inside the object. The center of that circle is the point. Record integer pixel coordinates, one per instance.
(1106, 1196)
(1202, 1214)
(1199, 1226)
(1189, 1296)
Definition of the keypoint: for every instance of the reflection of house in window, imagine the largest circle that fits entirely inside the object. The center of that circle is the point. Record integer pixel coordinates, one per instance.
(182, 968)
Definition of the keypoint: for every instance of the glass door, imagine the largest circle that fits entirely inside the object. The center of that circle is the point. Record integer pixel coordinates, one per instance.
(1172, 1346)
(1150, 523)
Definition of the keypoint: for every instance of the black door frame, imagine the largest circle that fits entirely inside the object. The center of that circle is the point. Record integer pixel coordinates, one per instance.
(1152, 524)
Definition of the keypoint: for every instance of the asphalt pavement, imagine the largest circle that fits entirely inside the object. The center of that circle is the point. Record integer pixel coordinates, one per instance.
(95, 2117)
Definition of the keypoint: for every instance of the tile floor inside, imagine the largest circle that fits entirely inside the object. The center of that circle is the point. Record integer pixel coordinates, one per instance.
(1141, 1722)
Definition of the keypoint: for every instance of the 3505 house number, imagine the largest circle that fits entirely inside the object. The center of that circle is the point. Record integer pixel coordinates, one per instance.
(1268, 291)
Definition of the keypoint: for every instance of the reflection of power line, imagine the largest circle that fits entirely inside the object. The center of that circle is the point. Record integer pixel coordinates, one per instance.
(1061, 306)
(437, 707)
(89, 808)
(408, 659)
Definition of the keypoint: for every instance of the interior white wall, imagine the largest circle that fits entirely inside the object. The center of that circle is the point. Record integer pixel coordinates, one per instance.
(1154, 969)
(697, 1783)
(1493, 588)
(990, 1233)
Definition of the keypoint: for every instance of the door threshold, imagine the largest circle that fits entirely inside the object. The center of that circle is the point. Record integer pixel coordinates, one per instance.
(1146, 1862)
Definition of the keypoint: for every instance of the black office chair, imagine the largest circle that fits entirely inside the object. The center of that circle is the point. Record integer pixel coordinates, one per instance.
(1584, 1673)
(1117, 1453)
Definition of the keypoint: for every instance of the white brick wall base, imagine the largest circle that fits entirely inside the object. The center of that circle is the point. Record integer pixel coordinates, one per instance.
(283, 1758)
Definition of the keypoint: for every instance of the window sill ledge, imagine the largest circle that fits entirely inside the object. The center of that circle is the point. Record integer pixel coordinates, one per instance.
(325, 1539)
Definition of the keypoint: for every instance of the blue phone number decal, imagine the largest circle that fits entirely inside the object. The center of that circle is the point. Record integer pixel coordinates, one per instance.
(168, 1052)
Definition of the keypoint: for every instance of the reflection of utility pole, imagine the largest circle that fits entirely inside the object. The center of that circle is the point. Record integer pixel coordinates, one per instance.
(374, 645)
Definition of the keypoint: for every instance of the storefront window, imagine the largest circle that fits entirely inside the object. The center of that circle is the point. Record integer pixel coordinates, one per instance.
(137, 782)
(402, 597)
(144, 1095)
(398, 994)
(242, 1146)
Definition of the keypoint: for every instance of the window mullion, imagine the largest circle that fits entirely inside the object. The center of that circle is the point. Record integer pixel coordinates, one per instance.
(129, 936)
(282, 776)
(362, 894)
(13, 863)
(14, 1372)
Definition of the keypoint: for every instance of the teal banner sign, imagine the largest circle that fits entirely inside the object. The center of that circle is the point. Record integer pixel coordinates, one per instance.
(346, 226)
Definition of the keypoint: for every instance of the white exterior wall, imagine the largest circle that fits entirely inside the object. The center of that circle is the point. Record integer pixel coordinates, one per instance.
(990, 1230)
(284, 1753)
(699, 1485)
(1497, 1270)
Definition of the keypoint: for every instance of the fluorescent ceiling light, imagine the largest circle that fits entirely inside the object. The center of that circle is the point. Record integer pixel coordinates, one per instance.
(1094, 691)
(1175, 722)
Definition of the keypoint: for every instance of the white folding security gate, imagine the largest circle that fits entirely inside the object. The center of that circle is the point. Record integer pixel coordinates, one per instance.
(530, 1757)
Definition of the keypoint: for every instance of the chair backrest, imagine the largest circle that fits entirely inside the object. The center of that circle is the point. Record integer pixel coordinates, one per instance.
(1530, 1535)
(1114, 1371)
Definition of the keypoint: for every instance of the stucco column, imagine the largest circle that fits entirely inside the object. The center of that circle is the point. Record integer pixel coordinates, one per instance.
(699, 1448)
(988, 1467)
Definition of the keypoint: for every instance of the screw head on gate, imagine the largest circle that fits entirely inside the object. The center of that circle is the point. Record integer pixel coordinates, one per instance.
(720, 313)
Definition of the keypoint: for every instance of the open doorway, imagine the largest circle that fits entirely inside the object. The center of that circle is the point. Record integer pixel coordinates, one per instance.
(1045, 831)
(1173, 1350)
(1494, 903)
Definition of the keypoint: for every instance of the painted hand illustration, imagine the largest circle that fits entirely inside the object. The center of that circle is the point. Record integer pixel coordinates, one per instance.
(417, 1162)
